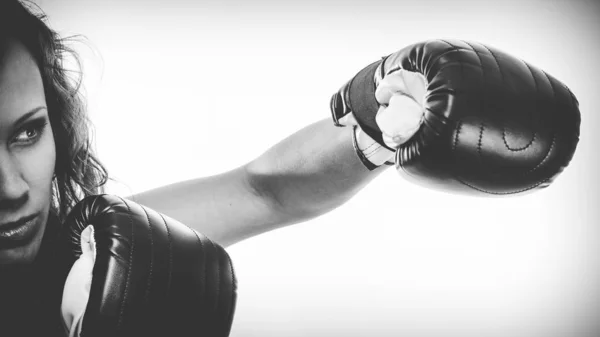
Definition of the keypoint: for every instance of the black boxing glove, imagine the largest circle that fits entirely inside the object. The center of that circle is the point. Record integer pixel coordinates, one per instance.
(489, 123)
(136, 272)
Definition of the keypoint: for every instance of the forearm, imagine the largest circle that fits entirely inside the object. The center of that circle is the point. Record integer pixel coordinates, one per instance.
(307, 174)
(311, 172)
(223, 207)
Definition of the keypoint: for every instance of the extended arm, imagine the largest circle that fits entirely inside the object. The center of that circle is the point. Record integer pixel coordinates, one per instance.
(307, 174)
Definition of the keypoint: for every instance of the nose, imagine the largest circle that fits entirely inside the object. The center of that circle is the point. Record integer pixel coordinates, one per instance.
(13, 187)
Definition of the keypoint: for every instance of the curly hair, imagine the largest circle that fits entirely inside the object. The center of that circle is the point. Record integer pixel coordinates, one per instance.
(78, 173)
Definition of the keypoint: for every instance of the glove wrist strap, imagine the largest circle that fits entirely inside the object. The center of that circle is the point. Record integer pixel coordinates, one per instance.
(370, 153)
(362, 101)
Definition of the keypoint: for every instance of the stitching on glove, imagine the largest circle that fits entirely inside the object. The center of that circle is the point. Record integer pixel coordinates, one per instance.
(203, 274)
(533, 139)
(482, 67)
(170, 240)
(374, 150)
(517, 149)
(218, 285)
(453, 49)
(502, 193)
(130, 265)
(458, 129)
(481, 129)
(551, 86)
(535, 133)
(553, 134)
(150, 276)
(574, 100)
(545, 157)
(503, 82)
(370, 166)
(372, 153)
(496, 60)
(374, 144)
(233, 286)
(218, 271)
(536, 89)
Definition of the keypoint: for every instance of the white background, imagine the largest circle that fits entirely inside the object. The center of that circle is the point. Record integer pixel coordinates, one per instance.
(181, 89)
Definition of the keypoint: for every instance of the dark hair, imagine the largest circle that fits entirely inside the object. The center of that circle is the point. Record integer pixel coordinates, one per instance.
(78, 173)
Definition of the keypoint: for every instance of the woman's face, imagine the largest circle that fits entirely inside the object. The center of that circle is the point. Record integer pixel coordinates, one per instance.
(27, 156)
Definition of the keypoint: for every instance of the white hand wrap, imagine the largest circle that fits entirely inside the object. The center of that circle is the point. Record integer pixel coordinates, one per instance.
(401, 95)
(77, 286)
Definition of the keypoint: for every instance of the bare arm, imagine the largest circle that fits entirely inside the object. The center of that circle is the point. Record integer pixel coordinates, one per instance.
(307, 174)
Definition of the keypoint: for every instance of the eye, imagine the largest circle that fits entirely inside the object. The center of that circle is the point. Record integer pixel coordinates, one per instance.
(26, 135)
(30, 132)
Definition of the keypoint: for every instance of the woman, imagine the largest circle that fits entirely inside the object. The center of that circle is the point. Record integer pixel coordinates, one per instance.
(308, 174)
(47, 165)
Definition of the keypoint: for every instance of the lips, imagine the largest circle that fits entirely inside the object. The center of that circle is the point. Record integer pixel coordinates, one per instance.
(18, 223)
(19, 231)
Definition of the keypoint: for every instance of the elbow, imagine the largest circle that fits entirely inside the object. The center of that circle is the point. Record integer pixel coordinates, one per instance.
(265, 190)
(289, 199)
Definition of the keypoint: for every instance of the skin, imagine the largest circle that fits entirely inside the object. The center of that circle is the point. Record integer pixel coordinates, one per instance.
(311, 172)
(27, 151)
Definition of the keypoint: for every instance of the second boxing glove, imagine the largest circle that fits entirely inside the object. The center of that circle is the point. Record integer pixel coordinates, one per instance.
(150, 275)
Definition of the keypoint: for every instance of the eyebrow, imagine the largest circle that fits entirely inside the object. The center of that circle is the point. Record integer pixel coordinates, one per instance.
(29, 114)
